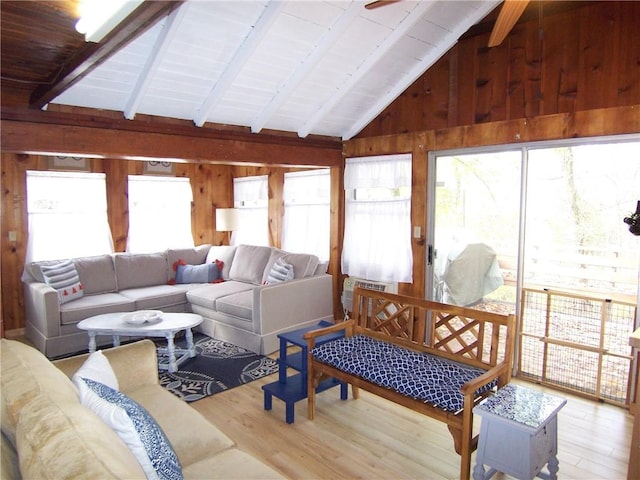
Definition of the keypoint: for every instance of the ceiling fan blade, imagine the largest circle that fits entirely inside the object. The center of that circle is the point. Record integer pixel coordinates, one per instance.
(380, 3)
(509, 15)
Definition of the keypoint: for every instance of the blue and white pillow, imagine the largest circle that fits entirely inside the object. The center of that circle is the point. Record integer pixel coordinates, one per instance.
(204, 273)
(281, 271)
(64, 278)
(135, 426)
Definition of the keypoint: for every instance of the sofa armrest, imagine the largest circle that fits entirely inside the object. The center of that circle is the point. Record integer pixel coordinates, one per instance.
(282, 305)
(135, 364)
(42, 308)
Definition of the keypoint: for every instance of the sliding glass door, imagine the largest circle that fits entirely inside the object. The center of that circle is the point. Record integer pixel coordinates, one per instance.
(538, 231)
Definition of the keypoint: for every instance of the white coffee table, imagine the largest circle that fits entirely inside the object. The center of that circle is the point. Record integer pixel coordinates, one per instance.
(171, 323)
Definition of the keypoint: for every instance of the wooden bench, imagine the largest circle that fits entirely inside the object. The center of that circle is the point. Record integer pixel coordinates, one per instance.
(463, 338)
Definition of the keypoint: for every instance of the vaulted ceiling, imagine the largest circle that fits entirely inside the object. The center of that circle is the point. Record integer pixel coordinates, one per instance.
(309, 67)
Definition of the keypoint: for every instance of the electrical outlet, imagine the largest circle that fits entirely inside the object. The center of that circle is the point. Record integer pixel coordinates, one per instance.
(417, 231)
(13, 235)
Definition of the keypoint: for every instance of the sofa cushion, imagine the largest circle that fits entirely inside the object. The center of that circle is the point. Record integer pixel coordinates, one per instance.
(207, 441)
(64, 440)
(135, 426)
(141, 269)
(27, 373)
(91, 305)
(238, 305)
(249, 264)
(98, 274)
(304, 264)
(207, 295)
(321, 268)
(225, 465)
(156, 297)
(63, 277)
(225, 253)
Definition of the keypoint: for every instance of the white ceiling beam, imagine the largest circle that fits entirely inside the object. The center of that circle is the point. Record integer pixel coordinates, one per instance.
(160, 47)
(248, 46)
(443, 46)
(363, 69)
(326, 42)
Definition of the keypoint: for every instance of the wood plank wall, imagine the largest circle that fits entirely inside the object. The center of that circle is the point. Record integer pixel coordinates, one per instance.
(582, 79)
(581, 59)
(212, 186)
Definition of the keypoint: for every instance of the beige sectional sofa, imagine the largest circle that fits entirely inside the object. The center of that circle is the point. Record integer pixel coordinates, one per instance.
(244, 308)
(47, 433)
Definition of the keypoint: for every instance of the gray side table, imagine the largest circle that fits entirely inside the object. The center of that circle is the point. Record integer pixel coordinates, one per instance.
(518, 434)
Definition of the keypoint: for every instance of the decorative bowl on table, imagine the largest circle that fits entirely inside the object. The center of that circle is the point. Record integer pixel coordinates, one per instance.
(142, 317)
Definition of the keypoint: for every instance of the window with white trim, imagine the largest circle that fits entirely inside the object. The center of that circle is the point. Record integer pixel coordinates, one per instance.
(67, 215)
(377, 232)
(250, 196)
(159, 213)
(307, 212)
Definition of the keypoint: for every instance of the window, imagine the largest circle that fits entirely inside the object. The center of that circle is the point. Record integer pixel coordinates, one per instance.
(67, 214)
(250, 197)
(377, 233)
(307, 212)
(159, 213)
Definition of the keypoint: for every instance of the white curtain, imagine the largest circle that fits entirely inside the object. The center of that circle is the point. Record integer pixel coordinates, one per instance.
(159, 213)
(307, 212)
(377, 234)
(250, 196)
(67, 215)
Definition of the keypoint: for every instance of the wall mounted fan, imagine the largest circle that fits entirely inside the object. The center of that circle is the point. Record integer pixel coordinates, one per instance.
(507, 18)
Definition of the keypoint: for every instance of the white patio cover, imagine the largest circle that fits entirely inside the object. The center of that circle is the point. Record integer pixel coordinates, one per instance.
(470, 272)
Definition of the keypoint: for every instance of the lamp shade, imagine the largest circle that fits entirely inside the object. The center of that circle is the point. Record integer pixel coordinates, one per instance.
(227, 219)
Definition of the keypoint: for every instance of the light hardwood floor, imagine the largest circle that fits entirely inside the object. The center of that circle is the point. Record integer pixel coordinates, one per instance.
(372, 438)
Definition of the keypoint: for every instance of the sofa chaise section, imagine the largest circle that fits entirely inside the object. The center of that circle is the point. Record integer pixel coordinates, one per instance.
(249, 311)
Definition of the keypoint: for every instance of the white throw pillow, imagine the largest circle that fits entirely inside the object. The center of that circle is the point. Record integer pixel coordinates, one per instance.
(135, 426)
(64, 278)
(98, 368)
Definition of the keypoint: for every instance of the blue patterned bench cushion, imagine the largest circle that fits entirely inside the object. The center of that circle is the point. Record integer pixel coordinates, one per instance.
(422, 376)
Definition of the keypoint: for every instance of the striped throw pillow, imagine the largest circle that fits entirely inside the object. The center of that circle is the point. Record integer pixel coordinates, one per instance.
(64, 278)
(281, 271)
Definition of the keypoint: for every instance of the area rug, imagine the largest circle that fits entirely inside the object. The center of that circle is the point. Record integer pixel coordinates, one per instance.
(218, 366)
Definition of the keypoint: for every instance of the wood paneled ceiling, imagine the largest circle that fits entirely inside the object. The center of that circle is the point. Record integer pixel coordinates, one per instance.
(309, 67)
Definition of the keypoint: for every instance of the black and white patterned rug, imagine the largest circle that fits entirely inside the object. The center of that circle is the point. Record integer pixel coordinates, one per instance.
(218, 366)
